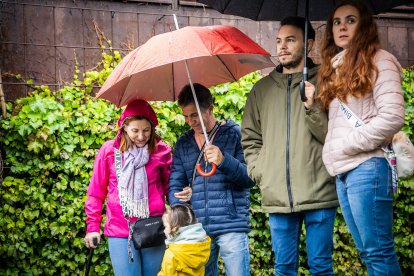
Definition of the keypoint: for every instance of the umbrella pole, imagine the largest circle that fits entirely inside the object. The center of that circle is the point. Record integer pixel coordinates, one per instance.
(213, 166)
(193, 91)
(305, 67)
(196, 104)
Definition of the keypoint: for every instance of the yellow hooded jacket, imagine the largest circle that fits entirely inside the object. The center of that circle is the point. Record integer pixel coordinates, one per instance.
(186, 259)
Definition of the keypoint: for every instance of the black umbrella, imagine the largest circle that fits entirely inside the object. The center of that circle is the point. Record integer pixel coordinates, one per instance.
(266, 10)
(263, 10)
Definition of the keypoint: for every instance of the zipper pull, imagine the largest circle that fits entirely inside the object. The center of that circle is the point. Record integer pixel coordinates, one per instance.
(289, 80)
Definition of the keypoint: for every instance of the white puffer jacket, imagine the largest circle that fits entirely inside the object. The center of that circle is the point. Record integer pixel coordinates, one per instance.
(382, 113)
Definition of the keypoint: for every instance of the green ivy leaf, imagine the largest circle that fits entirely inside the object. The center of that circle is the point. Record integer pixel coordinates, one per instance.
(35, 146)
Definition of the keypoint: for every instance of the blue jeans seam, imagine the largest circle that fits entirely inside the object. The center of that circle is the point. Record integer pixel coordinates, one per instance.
(375, 206)
(376, 198)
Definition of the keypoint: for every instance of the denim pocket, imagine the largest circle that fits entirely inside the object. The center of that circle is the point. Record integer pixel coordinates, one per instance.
(384, 181)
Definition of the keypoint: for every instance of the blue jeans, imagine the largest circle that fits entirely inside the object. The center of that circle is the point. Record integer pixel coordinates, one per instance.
(147, 261)
(285, 230)
(234, 250)
(365, 195)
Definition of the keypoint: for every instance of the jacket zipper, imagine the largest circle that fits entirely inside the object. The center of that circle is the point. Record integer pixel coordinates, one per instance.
(289, 188)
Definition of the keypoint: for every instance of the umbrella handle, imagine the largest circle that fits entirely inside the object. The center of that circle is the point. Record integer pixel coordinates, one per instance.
(302, 91)
(88, 265)
(213, 170)
(302, 82)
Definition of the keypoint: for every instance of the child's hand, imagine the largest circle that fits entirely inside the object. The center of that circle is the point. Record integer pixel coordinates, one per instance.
(185, 194)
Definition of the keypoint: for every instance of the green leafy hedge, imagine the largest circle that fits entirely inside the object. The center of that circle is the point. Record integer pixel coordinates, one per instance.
(50, 141)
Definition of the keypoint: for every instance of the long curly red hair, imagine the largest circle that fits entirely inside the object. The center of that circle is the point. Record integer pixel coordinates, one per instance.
(355, 76)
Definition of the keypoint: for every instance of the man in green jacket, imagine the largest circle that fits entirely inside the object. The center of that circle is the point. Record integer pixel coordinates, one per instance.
(282, 141)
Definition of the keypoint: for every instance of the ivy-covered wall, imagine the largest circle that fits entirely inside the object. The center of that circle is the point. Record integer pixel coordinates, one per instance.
(49, 141)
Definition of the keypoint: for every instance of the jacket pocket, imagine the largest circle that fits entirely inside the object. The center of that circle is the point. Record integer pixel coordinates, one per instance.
(230, 203)
(256, 172)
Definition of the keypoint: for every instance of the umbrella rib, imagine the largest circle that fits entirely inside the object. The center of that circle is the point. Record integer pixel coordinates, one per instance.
(228, 70)
(260, 10)
(226, 5)
(297, 7)
(122, 98)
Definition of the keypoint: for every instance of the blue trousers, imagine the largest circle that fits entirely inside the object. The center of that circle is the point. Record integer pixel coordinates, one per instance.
(234, 250)
(285, 230)
(147, 261)
(365, 195)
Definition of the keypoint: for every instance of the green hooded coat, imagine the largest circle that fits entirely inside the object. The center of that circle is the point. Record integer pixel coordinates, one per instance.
(282, 143)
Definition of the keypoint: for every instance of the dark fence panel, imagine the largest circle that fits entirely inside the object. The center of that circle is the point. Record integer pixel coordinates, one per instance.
(42, 40)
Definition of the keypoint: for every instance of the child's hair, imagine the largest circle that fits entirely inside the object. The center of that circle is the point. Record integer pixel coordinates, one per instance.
(180, 215)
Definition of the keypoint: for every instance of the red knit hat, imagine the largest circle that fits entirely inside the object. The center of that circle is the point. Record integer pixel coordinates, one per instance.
(135, 108)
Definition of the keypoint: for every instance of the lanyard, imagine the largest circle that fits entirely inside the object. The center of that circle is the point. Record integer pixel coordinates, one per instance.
(118, 167)
(213, 131)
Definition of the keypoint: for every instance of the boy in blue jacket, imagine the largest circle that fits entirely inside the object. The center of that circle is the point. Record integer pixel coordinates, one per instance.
(221, 201)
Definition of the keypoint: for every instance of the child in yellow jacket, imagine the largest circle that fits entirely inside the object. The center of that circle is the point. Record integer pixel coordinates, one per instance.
(188, 246)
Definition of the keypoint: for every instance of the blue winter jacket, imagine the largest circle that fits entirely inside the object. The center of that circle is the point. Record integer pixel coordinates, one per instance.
(220, 202)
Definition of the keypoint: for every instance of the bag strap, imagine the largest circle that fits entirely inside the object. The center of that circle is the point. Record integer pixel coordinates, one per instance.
(389, 153)
(356, 122)
(118, 167)
(212, 132)
(118, 162)
(350, 116)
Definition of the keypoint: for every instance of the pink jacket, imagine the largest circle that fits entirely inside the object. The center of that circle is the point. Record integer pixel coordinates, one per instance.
(103, 185)
(382, 112)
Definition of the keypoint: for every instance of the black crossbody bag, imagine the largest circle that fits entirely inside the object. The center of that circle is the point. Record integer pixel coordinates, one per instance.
(148, 232)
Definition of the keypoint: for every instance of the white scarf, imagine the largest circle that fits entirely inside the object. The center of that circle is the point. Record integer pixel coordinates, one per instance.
(338, 59)
(133, 183)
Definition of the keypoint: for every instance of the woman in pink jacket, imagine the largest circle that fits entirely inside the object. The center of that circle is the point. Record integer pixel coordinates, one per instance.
(139, 193)
(360, 85)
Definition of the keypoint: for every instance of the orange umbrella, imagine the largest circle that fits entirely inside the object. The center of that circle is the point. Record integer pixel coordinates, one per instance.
(160, 68)
(156, 71)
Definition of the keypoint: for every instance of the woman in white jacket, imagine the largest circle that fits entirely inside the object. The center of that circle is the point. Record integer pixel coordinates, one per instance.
(367, 80)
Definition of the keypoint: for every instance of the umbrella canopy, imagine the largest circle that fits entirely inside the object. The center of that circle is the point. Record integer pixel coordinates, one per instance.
(156, 70)
(279, 9)
(262, 10)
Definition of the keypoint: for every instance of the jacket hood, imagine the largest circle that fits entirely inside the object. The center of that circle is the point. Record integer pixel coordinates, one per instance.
(189, 234)
(228, 125)
(135, 108)
(192, 255)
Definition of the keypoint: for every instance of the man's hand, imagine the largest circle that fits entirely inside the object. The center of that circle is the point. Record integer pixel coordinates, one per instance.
(185, 194)
(213, 154)
(310, 95)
